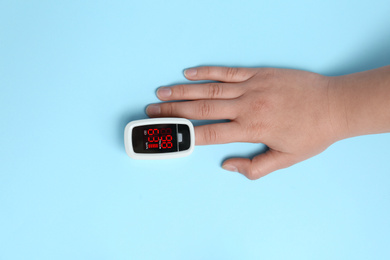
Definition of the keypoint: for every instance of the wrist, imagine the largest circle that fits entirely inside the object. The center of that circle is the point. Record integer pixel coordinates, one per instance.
(338, 112)
(361, 102)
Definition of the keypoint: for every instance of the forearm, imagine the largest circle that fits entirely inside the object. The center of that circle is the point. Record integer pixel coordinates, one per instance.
(362, 102)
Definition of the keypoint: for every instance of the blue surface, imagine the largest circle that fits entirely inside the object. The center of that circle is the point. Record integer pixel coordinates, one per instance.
(73, 73)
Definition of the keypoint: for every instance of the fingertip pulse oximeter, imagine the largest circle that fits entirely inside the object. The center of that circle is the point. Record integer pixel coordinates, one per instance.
(159, 138)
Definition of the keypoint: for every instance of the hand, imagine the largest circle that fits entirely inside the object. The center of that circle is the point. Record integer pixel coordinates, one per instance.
(290, 111)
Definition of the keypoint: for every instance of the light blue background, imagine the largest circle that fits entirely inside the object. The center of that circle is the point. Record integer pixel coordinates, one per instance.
(73, 73)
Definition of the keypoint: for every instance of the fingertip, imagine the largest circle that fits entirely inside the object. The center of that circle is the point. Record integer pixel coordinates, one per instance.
(164, 93)
(153, 110)
(246, 167)
(236, 165)
(190, 73)
(229, 167)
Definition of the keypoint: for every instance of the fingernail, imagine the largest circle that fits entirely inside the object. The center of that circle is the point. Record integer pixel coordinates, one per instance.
(230, 168)
(153, 110)
(191, 72)
(164, 92)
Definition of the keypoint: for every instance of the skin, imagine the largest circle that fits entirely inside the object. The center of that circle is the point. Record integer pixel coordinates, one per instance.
(297, 114)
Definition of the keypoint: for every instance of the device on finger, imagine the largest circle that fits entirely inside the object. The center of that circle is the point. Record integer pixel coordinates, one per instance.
(159, 138)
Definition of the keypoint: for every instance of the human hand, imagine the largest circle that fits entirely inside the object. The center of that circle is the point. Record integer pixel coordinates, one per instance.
(290, 111)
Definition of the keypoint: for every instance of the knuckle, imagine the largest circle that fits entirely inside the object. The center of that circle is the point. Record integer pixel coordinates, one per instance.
(204, 109)
(180, 91)
(268, 73)
(204, 71)
(231, 72)
(210, 136)
(167, 108)
(253, 173)
(215, 90)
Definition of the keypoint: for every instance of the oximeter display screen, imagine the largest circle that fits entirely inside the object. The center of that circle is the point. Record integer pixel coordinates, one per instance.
(160, 138)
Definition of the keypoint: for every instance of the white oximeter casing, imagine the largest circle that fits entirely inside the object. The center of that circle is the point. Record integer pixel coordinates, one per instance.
(159, 138)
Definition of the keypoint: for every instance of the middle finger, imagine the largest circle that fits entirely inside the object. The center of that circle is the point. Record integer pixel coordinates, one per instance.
(198, 110)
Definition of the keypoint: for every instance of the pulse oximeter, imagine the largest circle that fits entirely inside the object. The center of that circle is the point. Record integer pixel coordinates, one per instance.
(159, 138)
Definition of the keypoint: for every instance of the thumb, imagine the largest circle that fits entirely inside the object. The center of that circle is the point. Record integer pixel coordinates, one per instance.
(260, 165)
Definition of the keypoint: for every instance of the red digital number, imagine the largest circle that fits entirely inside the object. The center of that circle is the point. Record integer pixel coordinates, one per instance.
(153, 139)
(153, 131)
(165, 145)
(165, 138)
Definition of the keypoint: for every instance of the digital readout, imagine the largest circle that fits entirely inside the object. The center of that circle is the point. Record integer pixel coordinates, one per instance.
(159, 138)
